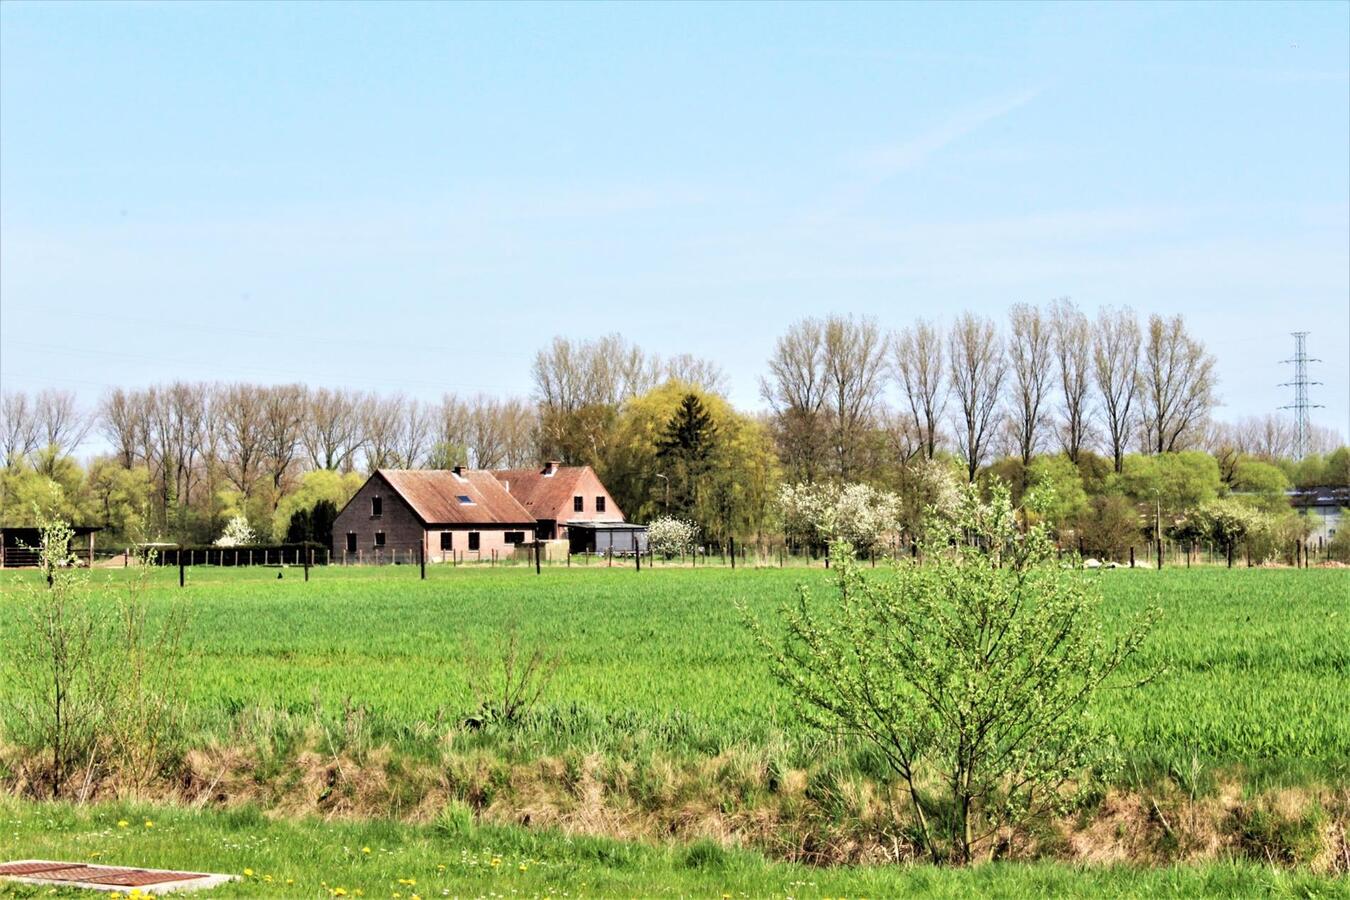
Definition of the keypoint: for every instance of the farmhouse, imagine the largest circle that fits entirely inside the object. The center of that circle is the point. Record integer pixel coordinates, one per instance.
(571, 503)
(464, 513)
(460, 511)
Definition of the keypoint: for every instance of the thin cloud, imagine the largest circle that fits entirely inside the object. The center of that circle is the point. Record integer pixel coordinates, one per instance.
(884, 162)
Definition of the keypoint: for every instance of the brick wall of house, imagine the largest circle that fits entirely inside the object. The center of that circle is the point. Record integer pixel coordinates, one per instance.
(490, 537)
(588, 488)
(402, 529)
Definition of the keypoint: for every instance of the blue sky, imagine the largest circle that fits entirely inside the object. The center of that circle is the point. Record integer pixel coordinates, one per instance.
(416, 198)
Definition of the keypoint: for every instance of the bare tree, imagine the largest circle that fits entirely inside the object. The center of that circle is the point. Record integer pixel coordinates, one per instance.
(174, 422)
(498, 433)
(283, 424)
(381, 421)
(1115, 362)
(18, 426)
(701, 373)
(243, 430)
(1029, 357)
(795, 390)
(855, 366)
(978, 367)
(413, 436)
(919, 370)
(331, 430)
(1178, 385)
(61, 425)
(121, 421)
(578, 387)
(1073, 355)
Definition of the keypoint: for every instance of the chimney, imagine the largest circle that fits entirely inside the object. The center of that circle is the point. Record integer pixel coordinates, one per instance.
(459, 471)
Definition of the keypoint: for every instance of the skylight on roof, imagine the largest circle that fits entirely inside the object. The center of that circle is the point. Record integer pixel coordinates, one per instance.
(466, 500)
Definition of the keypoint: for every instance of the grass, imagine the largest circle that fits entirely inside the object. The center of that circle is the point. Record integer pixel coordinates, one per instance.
(1250, 668)
(314, 859)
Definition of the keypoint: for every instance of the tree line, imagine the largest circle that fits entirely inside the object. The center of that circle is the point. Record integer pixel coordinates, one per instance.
(847, 402)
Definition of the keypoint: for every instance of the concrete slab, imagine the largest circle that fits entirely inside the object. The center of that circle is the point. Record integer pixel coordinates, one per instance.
(108, 878)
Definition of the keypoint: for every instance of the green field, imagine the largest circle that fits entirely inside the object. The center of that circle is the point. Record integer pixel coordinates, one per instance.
(663, 701)
(1249, 667)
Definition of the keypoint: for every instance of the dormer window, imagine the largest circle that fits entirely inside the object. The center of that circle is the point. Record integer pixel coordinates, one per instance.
(376, 507)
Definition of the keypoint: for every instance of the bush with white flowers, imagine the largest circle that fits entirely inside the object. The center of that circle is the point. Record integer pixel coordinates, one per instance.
(236, 534)
(820, 513)
(669, 536)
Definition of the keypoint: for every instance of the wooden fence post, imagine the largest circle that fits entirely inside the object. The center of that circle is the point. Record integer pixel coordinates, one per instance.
(422, 557)
(181, 577)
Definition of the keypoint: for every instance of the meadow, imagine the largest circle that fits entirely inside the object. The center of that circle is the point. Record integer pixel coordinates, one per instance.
(330, 714)
(1248, 667)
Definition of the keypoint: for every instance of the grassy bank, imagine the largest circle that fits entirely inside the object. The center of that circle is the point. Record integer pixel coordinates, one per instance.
(455, 858)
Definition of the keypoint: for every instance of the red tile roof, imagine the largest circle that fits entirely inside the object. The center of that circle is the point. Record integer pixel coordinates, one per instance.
(545, 496)
(434, 495)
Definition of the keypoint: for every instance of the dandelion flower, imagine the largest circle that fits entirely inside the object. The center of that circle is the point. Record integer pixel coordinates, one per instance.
(365, 849)
(248, 873)
(122, 823)
(149, 824)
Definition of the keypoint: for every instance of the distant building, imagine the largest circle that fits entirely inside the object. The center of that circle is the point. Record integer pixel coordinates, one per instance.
(19, 545)
(460, 511)
(1324, 506)
(561, 496)
(468, 513)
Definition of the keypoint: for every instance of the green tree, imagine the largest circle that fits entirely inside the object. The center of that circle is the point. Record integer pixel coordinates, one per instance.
(1109, 526)
(978, 665)
(1263, 482)
(1337, 472)
(1175, 482)
(740, 476)
(316, 487)
(686, 446)
(1057, 490)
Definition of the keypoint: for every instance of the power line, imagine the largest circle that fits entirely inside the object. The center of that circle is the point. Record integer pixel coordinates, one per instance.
(1300, 384)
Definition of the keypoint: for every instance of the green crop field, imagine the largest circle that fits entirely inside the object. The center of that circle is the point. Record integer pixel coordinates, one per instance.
(659, 691)
(1247, 667)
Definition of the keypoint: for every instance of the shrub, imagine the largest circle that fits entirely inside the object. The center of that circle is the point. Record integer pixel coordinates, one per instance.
(976, 666)
(237, 533)
(669, 537)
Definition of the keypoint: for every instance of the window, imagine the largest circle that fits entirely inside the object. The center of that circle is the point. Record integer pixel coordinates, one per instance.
(376, 507)
(599, 504)
(473, 540)
(351, 542)
(379, 539)
(447, 540)
(466, 500)
(514, 537)
(578, 504)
